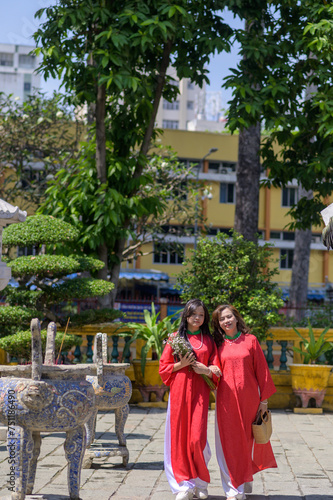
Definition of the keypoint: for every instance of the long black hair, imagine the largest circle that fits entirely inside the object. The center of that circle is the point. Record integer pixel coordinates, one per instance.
(189, 309)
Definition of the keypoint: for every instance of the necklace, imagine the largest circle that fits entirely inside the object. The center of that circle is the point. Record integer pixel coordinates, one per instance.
(230, 340)
(197, 348)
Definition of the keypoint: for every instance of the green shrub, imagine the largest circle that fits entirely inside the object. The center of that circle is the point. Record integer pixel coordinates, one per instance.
(231, 270)
(17, 297)
(320, 316)
(50, 266)
(19, 344)
(14, 318)
(39, 229)
(93, 316)
(78, 288)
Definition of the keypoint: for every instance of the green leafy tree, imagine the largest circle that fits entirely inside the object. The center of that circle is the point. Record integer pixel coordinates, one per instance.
(234, 271)
(42, 277)
(285, 81)
(166, 195)
(113, 57)
(38, 136)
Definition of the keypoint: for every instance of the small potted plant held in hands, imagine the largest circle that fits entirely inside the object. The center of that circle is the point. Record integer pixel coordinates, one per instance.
(153, 332)
(310, 379)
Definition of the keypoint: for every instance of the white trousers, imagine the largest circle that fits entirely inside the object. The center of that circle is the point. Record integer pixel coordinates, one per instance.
(229, 489)
(183, 485)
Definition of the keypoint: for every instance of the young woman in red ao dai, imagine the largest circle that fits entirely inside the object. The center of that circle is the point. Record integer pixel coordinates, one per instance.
(186, 450)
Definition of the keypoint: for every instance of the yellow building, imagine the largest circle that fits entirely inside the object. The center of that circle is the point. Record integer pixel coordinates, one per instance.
(218, 171)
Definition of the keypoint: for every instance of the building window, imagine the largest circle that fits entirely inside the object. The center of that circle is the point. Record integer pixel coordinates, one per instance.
(316, 238)
(222, 167)
(174, 124)
(6, 59)
(190, 85)
(287, 236)
(167, 254)
(190, 104)
(26, 61)
(289, 197)
(27, 86)
(170, 105)
(286, 259)
(213, 167)
(227, 192)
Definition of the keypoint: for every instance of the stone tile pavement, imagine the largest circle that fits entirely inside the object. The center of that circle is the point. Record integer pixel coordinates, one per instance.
(303, 446)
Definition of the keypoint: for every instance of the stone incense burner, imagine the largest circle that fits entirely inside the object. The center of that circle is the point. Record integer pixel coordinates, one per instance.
(113, 390)
(42, 398)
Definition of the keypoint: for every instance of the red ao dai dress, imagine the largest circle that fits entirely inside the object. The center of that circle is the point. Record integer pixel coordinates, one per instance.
(245, 381)
(186, 450)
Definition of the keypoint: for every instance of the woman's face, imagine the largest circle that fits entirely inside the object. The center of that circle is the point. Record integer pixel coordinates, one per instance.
(228, 322)
(196, 319)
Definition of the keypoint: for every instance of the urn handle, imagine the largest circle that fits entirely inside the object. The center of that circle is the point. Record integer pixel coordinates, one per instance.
(36, 349)
(50, 344)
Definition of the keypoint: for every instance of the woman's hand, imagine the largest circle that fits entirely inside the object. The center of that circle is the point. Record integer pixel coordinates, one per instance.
(184, 361)
(263, 406)
(216, 370)
(201, 369)
(187, 360)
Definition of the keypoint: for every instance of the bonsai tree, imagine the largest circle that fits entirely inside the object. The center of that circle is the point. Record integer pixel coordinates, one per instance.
(311, 349)
(228, 269)
(45, 289)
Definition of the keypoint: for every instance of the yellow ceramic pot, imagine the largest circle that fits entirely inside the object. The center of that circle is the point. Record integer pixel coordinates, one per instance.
(150, 381)
(151, 375)
(310, 381)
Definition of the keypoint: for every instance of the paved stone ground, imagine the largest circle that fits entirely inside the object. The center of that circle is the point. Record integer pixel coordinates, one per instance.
(303, 446)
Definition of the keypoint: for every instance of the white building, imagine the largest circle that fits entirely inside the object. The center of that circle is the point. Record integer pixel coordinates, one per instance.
(190, 104)
(194, 108)
(17, 70)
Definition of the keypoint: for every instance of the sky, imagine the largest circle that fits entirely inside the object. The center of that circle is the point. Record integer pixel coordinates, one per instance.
(17, 24)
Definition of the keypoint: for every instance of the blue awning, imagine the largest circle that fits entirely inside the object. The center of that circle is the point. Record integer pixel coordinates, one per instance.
(313, 294)
(143, 274)
(316, 294)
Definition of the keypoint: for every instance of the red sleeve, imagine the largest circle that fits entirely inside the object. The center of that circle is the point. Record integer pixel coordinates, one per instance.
(214, 360)
(166, 365)
(264, 378)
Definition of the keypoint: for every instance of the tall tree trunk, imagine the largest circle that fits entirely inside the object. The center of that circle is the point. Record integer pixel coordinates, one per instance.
(100, 134)
(300, 270)
(115, 270)
(118, 251)
(105, 301)
(247, 183)
(102, 250)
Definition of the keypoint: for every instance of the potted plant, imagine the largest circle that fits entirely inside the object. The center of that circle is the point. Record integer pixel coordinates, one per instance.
(153, 332)
(310, 379)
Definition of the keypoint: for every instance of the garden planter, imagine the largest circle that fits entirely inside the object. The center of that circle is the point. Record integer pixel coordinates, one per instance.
(310, 381)
(151, 381)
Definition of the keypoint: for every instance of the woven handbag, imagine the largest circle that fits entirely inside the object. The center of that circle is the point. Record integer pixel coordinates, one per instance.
(262, 427)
